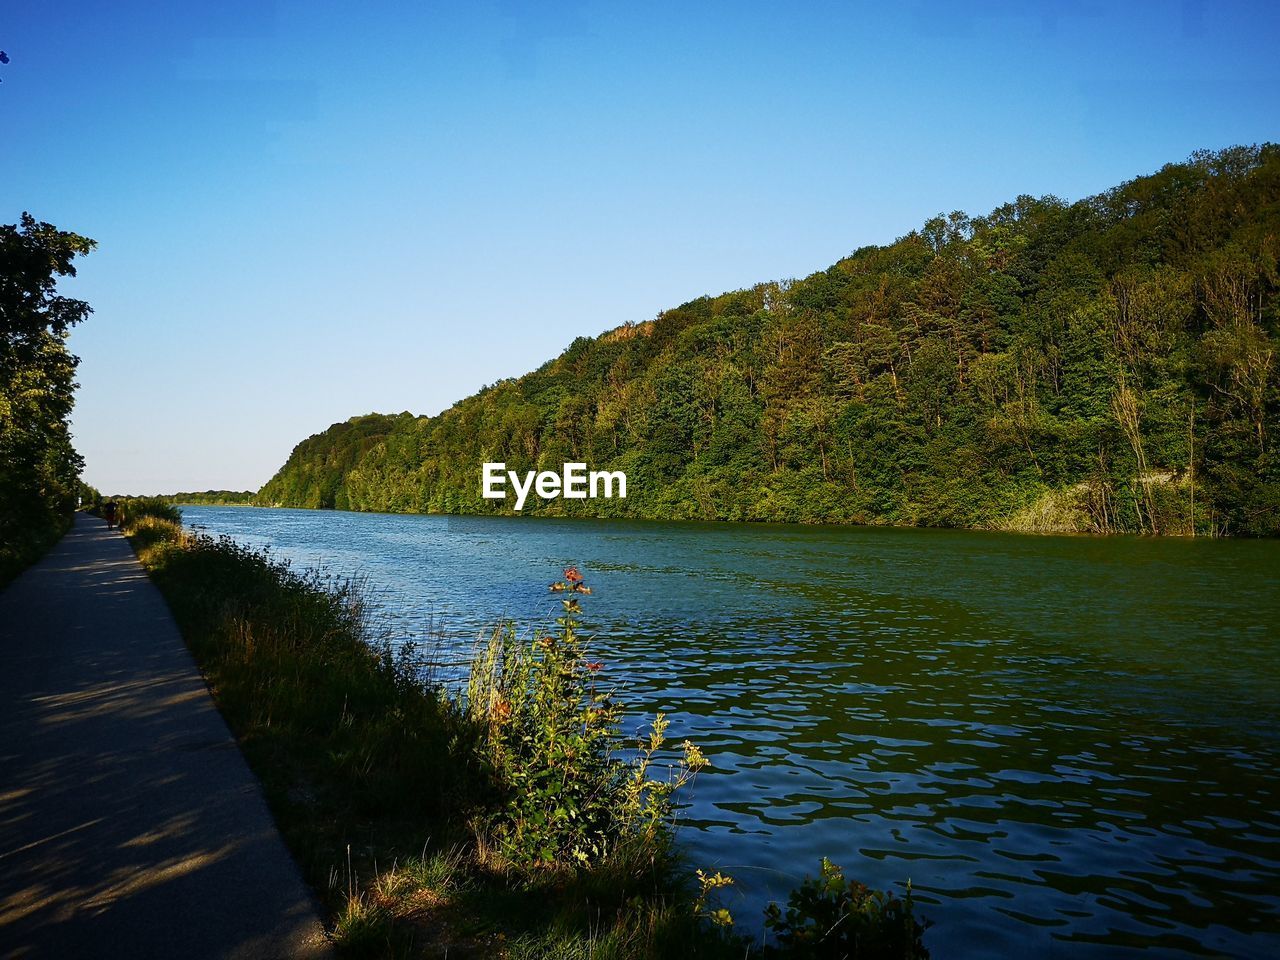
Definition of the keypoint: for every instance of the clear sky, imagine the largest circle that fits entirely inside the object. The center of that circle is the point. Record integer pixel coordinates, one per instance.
(307, 211)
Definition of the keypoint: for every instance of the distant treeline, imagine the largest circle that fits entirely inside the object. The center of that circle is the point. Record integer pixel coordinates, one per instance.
(212, 498)
(206, 498)
(39, 468)
(1105, 365)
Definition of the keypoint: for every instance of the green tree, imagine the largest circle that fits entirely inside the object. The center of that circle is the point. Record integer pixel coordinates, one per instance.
(39, 468)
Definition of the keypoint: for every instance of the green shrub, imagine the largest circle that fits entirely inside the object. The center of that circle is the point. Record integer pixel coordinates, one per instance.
(831, 918)
(23, 540)
(134, 509)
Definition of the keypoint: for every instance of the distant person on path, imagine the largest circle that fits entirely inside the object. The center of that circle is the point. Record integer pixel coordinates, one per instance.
(109, 513)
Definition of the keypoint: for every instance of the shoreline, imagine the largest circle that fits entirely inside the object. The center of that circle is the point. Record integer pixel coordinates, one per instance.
(806, 524)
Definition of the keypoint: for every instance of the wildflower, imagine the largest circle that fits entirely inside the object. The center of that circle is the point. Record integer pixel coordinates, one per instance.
(693, 757)
(571, 606)
(573, 575)
(593, 667)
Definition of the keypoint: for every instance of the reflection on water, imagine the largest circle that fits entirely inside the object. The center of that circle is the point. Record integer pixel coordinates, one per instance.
(1069, 745)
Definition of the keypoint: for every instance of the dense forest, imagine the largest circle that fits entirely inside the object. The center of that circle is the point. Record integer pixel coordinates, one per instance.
(39, 467)
(315, 475)
(1105, 365)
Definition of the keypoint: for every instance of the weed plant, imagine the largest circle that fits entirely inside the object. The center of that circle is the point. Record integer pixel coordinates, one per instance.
(547, 734)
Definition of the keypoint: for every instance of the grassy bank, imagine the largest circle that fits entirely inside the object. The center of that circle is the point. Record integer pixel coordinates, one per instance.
(504, 820)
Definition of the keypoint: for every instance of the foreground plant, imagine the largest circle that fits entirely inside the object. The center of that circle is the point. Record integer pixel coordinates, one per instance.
(549, 736)
(831, 918)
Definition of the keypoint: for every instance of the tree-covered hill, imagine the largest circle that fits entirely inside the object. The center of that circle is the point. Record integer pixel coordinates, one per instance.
(315, 475)
(1103, 365)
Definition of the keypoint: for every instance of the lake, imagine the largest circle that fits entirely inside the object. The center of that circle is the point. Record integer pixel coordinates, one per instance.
(1069, 745)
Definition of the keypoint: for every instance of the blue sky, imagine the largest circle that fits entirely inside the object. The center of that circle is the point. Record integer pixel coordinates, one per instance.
(307, 211)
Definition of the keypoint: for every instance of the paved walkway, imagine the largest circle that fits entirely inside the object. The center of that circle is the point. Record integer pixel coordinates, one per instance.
(130, 825)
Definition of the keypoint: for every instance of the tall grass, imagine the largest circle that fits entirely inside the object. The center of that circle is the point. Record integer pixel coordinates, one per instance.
(134, 509)
(349, 742)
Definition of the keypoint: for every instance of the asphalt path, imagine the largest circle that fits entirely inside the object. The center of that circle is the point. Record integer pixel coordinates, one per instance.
(130, 825)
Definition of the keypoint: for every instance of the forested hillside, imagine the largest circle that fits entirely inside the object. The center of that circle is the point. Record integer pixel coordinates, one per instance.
(1104, 365)
(39, 468)
(315, 474)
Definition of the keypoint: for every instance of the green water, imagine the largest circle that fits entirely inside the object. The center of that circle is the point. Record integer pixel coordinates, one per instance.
(1069, 745)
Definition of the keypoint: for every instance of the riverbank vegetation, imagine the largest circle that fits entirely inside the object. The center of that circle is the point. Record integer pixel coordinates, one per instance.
(39, 468)
(506, 818)
(1100, 366)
